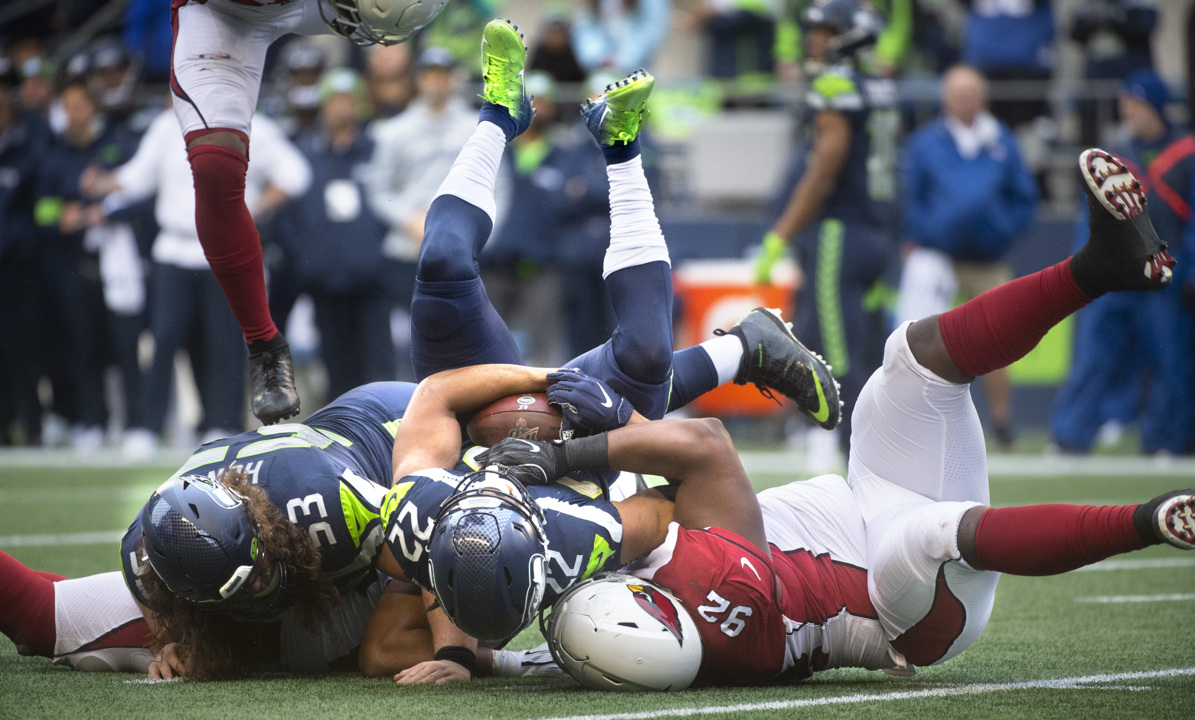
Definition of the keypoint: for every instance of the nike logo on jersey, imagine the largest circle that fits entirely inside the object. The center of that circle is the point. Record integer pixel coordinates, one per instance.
(608, 402)
(747, 564)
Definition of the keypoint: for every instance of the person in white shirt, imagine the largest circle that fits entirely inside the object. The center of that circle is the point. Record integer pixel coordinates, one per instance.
(185, 299)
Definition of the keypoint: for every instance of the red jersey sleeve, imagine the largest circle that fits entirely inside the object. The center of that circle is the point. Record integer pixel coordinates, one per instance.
(728, 586)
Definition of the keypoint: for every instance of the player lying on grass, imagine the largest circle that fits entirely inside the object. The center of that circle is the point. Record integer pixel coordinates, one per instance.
(313, 534)
(550, 536)
(893, 567)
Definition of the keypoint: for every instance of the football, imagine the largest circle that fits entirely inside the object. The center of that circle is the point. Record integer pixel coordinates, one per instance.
(526, 416)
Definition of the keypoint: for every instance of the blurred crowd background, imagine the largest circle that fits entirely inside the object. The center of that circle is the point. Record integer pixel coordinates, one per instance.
(114, 333)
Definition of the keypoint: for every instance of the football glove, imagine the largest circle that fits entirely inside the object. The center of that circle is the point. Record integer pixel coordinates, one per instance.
(586, 403)
(773, 248)
(531, 462)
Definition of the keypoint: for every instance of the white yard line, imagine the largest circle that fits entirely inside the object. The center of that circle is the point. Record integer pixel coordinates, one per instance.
(103, 537)
(1150, 564)
(947, 691)
(1114, 599)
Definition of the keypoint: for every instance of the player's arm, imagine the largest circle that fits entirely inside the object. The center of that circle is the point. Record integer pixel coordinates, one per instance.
(454, 652)
(430, 434)
(831, 145)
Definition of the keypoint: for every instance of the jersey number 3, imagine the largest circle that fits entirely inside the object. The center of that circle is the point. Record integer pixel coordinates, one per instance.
(735, 620)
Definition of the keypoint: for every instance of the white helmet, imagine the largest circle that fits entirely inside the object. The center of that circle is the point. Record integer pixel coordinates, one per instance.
(618, 632)
(384, 22)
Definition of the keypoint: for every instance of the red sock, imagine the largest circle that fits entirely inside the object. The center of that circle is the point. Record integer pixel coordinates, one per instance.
(1053, 539)
(1002, 325)
(229, 237)
(26, 606)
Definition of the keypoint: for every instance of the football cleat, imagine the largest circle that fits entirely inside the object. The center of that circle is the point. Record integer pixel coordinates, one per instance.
(1174, 519)
(272, 380)
(1126, 252)
(503, 56)
(619, 113)
(773, 359)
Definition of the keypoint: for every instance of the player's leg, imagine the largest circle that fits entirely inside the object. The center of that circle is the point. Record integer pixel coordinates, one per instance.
(218, 58)
(453, 323)
(1056, 538)
(27, 607)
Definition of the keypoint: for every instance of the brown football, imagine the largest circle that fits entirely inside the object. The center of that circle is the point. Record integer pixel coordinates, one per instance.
(523, 416)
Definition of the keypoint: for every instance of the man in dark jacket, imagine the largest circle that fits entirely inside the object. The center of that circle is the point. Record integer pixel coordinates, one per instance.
(967, 197)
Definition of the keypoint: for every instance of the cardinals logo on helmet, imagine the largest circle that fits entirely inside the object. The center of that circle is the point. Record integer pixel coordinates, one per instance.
(659, 607)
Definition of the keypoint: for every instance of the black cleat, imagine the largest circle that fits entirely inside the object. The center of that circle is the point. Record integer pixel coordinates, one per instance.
(773, 359)
(1171, 517)
(1124, 251)
(272, 380)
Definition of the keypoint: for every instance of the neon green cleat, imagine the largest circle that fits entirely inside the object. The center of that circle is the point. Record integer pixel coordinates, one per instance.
(502, 58)
(619, 114)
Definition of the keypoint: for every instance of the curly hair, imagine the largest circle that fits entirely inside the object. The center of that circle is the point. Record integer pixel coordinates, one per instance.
(211, 645)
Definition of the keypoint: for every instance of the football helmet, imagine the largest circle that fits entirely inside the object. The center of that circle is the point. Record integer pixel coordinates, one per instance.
(855, 25)
(197, 536)
(488, 555)
(619, 632)
(381, 22)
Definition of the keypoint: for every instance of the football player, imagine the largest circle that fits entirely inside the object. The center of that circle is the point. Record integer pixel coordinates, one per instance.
(842, 202)
(896, 565)
(217, 63)
(548, 537)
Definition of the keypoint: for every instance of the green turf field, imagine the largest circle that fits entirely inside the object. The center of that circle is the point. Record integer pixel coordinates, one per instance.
(1117, 641)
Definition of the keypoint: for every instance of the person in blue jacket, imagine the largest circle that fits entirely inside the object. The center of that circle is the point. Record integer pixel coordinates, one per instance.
(23, 140)
(334, 242)
(967, 196)
(70, 262)
(1139, 333)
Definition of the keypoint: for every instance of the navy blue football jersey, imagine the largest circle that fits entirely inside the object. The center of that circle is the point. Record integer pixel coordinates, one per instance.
(866, 188)
(327, 475)
(584, 530)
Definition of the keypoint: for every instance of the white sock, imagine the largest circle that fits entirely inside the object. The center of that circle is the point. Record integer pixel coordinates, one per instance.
(726, 353)
(475, 170)
(635, 235)
(536, 662)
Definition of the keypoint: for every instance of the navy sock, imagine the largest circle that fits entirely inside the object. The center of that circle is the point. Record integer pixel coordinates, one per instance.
(642, 299)
(455, 233)
(500, 116)
(620, 152)
(693, 374)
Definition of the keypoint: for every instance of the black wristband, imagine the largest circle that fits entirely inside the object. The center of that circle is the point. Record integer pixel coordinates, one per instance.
(587, 453)
(462, 656)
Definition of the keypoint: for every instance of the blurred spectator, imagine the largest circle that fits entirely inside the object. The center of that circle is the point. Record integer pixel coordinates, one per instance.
(553, 51)
(839, 207)
(295, 104)
(740, 35)
(36, 92)
(388, 79)
(457, 29)
(24, 137)
(412, 156)
(95, 336)
(1152, 331)
(334, 242)
(186, 306)
(967, 196)
(886, 58)
(1012, 40)
(622, 35)
(149, 36)
(1115, 36)
(113, 80)
(519, 261)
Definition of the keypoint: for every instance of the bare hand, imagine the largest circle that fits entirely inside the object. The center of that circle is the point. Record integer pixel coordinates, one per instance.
(167, 665)
(439, 672)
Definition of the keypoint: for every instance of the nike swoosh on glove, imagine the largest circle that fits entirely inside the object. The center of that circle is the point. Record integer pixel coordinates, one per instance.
(531, 462)
(586, 403)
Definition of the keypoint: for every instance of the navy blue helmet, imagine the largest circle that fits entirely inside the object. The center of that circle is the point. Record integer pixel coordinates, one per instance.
(487, 556)
(855, 25)
(197, 536)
